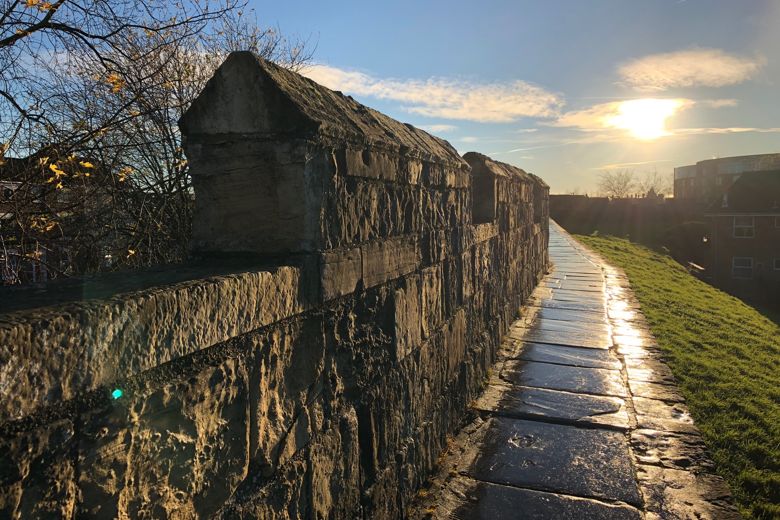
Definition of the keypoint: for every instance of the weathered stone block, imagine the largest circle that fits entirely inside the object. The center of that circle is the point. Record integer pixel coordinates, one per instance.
(37, 474)
(432, 305)
(285, 367)
(455, 342)
(389, 259)
(340, 272)
(368, 163)
(180, 450)
(408, 317)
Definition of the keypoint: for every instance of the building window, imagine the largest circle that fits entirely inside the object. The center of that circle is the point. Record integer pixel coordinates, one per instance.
(777, 264)
(744, 227)
(777, 222)
(742, 267)
(718, 180)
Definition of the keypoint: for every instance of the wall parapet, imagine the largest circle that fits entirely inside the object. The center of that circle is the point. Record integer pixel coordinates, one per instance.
(324, 386)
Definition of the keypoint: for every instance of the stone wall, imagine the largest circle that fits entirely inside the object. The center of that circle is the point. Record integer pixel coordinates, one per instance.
(322, 378)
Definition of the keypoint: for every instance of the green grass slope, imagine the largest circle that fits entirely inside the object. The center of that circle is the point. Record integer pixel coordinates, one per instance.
(726, 358)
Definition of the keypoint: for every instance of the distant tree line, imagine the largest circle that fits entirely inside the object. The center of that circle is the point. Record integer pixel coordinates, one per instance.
(627, 183)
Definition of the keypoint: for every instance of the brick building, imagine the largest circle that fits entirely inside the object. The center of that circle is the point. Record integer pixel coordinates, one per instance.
(710, 179)
(745, 237)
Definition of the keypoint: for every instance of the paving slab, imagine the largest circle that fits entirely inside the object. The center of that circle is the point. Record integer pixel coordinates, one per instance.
(655, 391)
(683, 451)
(571, 315)
(541, 323)
(595, 381)
(574, 356)
(554, 405)
(566, 304)
(467, 499)
(682, 495)
(568, 338)
(551, 457)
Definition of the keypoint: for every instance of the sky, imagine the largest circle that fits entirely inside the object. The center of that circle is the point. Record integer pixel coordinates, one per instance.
(565, 89)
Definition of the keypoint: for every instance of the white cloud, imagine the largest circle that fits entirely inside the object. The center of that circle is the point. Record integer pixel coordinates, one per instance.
(726, 130)
(644, 118)
(446, 98)
(439, 128)
(690, 68)
(719, 103)
(468, 139)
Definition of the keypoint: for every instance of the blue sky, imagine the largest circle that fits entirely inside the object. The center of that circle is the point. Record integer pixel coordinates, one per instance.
(550, 86)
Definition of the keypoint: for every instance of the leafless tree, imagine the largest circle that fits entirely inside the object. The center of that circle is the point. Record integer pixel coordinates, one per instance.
(654, 183)
(617, 183)
(105, 173)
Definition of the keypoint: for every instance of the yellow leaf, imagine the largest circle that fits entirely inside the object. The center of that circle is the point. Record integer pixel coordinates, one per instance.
(86, 164)
(57, 171)
(59, 186)
(32, 3)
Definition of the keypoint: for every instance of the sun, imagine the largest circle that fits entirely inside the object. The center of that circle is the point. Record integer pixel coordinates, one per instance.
(645, 118)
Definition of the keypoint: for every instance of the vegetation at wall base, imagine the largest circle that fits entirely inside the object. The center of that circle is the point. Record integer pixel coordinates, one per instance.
(726, 358)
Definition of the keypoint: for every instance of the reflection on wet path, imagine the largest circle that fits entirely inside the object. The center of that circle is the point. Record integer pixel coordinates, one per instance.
(581, 418)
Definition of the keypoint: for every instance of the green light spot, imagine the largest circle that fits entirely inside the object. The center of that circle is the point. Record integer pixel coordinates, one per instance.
(117, 393)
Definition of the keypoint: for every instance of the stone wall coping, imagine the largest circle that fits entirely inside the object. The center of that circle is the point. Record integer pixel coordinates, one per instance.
(51, 354)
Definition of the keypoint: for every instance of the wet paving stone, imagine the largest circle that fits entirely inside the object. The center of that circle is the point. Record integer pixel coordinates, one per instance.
(571, 285)
(648, 422)
(649, 372)
(540, 323)
(662, 409)
(568, 338)
(574, 356)
(576, 316)
(572, 305)
(577, 296)
(655, 391)
(634, 341)
(563, 459)
(595, 381)
(684, 451)
(681, 495)
(467, 499)
(566, 407)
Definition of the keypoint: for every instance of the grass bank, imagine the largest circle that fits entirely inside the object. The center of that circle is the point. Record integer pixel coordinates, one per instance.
(726, 358)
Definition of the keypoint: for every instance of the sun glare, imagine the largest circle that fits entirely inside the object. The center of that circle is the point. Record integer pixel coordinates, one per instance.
(645, 118)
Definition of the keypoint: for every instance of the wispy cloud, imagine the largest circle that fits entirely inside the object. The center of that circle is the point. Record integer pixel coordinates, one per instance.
(718, 103)
(439, 128)
(689, 68)
(725, 130)
(626, 164)
(468, 139)
(447, 98)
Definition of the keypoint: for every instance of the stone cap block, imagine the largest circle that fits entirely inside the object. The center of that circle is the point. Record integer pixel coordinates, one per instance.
(254, 97)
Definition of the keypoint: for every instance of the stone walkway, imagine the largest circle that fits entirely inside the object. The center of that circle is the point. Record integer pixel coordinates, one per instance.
(581, 418)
